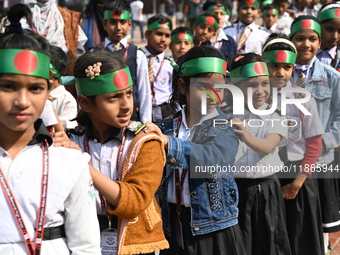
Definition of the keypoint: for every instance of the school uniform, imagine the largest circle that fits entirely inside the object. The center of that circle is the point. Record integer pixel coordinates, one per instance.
(285, 21)
(255, 36)
(297, 12)
(262, 216)
(225, 43)
(330, 57)
(277, 29)
(70, 206)
(139, 73)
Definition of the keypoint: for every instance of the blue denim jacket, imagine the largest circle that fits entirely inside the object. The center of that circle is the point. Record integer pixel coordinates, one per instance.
(325, 88)
(213, 199)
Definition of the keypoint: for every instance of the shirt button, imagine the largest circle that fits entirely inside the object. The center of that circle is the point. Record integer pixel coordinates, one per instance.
(4, 155)
(104, 162)
(172, 160)
(196, 229)
(95, 140)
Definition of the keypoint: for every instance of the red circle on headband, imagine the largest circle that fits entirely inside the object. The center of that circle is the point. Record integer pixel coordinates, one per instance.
(218, 5)
(337, 13)
(271, 11)
(306, 24)
(181, 35)
(210, 20)
(224, 66)
(165, 25)
(121, 79)
(250, 1)
(259, 68)
(26, 62)
(115, 15)
(281, 56)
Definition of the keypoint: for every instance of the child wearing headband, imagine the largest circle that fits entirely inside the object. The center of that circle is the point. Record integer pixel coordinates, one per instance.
(262, 218)
(205, 28)
(126, 164)
(181, 42)
(270, 15)
(46, 192)
(323, 83)
(284, 20)
(299, 188)
(194, 144)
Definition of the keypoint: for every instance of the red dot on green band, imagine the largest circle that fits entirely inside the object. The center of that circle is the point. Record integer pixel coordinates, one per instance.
(259, 68)
(337, 13)
(281, 56)
(121, 79)
(218, 5)
(271, 11)
(250, 1)
(115, 15)
(224, 66)
(26, 62)
(306, 24)
(210, 20)
(181, 35)
(165, 25)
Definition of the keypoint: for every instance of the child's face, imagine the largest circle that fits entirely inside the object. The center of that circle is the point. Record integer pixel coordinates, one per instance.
(282, 8)
(180, 47)
(307, 43)
(116, 28)
(22, 100)
(270, 19)
(247, 13)
(158, 39)
(330, 35)
(203, 32)
(112, 109)
(260, 90)
(221, 16)
(280, 73)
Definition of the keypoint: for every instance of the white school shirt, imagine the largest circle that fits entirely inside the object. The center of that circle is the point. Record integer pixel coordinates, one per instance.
(285, 21)
(301, 128)
(143, 87)
(256, 36)
(247, 157)
(298, 13)
(69, 201)
(163, 83)
(220, 37)
(48, 115)
(327, 56)
(65, 105)
(104, 156)
(185, 134)
(277, 29)
(307, 70)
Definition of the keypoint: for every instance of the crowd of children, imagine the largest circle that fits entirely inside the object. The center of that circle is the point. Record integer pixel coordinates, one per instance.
(130, 164)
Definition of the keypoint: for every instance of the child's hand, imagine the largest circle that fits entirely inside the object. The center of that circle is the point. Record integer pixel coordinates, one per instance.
(154, 128)
(337, 149)
(61, 139)
(291, 190)
(241, 129)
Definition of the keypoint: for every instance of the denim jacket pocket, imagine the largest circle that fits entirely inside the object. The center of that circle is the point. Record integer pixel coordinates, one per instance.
(321, 92)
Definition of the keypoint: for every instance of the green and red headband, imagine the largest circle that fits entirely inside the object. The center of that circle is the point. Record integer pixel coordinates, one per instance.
(216, 7)
(280, 56)
(249, 70)
(332, 13)
(106, 83)
(156, 24)
(207, 20)
(26, 62)
(202, 65)
(305, 24)
(182, 36)
(254, 3)
(110, 14)
(271, 12)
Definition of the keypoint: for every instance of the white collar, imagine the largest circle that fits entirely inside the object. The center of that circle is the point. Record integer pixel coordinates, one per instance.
(123, 41)
(159, 56)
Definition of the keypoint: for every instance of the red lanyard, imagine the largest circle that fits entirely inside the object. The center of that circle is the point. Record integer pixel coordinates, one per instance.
(39, 232)
(126, 51)
(152, 83)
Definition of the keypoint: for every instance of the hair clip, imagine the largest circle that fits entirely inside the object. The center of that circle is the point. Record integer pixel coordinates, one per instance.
(238, 58)
(93, 71)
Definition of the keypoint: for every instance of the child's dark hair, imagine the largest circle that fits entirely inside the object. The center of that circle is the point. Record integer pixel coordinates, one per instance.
(117, 6)
(59, 60)
(208, 14)
(324, 6)
(177, 98)
(303, 17)
(269, 7)
(182, 30)
(161, 19)
(278, 45)
(111, 62)
(209, 3)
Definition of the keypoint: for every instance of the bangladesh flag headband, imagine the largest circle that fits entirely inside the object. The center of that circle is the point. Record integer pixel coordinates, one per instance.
(207, 20)
(203, 65)
(249, 2)
(106, 83)
(271, 12)
(156, 24)
(215, 7)
(305, 24)
(110, 14)
(333, 13)
(249, 70)
(26, 62)
(182, 36)
(280, 56)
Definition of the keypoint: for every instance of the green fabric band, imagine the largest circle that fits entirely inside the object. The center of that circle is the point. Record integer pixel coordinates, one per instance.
(305, 24)
(56, 73)
(203, 65)
(254, 3)
(182, 36)
(266, 2)
(27, 62)
(333, 13)
(110, 14)
(106, 83)
(271, 12)
(280, 56)
(207, 20)
(156, 24)
(215, 7)
(249, 70)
